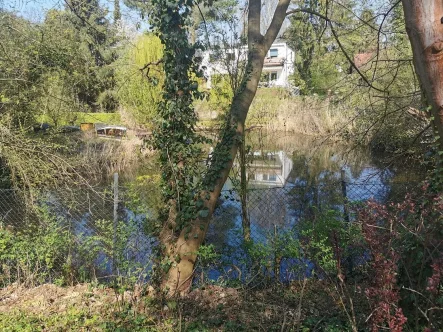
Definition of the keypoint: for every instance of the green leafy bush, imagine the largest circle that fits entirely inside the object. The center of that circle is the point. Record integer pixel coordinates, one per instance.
(329, 241)
(37, 253)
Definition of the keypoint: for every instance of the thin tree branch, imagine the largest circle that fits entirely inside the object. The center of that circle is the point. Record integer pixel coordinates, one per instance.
(337, 39)
(152, 63)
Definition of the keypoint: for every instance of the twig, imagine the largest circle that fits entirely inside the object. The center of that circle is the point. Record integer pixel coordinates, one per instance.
(284, 322)
(152, 63)
(337, 39)
(300, 303)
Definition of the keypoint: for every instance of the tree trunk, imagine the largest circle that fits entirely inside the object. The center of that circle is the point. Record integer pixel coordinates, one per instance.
(424, 25)
(182, 252)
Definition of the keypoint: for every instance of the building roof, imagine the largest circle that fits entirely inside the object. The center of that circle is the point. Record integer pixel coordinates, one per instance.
(362, 59)
(101, 126)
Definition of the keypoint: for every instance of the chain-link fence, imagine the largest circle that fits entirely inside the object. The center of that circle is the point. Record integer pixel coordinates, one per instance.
(78, 236)
(72, 236)
(275, 217)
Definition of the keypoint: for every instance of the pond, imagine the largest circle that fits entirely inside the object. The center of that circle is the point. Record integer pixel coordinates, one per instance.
(293, 177)
(290, 178)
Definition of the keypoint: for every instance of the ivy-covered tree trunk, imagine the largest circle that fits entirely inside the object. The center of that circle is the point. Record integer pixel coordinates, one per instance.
(193, 202)
(424, 25)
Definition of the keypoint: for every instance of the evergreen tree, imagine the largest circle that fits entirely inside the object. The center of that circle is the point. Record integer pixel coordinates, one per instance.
(95, 31)
(117, 12)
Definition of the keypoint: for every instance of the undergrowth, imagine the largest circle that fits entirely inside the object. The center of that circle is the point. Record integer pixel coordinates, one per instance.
(276, 110)
(381, 269)
(209, 308)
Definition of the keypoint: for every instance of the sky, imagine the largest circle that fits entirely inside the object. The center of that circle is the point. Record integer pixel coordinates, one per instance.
(34, 10)
(31, 9)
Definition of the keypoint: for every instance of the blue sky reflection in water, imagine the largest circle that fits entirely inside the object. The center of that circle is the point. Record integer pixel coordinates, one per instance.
(317, 180)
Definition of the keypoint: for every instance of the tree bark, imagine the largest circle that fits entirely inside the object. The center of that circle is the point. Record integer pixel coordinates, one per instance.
(424, 25)
(182, 252)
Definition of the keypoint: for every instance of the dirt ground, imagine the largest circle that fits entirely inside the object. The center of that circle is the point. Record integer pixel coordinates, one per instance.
(210, 308)
(51, 298)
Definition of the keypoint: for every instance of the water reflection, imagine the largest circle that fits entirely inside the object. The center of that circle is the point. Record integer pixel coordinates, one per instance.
(270, 169)
(291, 178)
(91, 222)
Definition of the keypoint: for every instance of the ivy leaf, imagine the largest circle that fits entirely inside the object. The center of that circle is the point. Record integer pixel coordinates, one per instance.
(203, 213)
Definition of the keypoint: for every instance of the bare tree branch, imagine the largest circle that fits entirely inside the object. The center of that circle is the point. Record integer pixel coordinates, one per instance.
(337, 39)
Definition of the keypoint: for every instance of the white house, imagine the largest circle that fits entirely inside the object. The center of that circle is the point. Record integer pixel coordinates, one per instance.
(279, 64)
(277, 68)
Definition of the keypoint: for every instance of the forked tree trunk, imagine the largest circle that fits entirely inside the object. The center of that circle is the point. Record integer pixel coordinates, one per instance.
(424, 25)
(182, 252)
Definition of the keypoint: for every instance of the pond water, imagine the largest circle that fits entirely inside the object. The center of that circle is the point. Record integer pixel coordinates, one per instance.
(291, 177)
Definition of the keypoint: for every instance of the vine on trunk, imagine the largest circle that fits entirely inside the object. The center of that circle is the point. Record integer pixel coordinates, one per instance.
(180, 147)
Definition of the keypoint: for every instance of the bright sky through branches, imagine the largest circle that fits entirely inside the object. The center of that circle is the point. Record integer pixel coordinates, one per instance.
(35, 9)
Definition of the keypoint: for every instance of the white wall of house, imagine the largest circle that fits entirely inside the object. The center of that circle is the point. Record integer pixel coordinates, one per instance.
(278, 74)
(283, 73)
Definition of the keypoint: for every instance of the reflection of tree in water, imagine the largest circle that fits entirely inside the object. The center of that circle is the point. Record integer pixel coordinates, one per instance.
(268, 208)
(401, 175)
(315, 182)
(314, 185)
(225, 228)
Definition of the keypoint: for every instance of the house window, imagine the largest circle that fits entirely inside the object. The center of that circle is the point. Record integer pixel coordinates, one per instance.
(265, 177)
(230, 56)
(273, 76)
(273, 178)
(273, 52)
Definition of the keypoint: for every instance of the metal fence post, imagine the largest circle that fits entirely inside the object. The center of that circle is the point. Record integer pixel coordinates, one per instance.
(277, 255)
(345, 195)
(114, 226)
(349, 258)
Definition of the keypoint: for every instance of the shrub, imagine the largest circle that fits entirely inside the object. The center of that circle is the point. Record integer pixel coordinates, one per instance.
(37, 253)
(406, 245)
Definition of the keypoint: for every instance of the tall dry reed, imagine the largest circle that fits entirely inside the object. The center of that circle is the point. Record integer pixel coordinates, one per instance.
(276, 110)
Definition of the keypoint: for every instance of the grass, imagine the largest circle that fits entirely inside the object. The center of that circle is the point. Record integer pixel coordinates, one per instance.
(81, 117)
(208, 308)
(74, 319)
